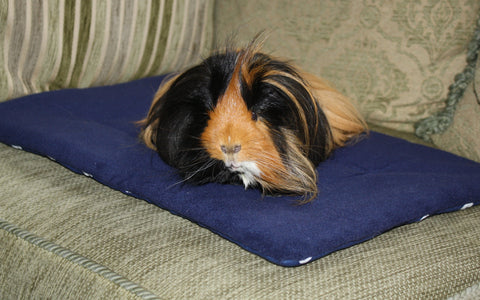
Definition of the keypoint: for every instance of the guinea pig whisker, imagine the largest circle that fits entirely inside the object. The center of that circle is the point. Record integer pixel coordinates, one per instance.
(205, 166)
(299, 119)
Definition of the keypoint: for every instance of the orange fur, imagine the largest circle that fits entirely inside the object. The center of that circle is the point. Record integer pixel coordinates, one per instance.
(230, 124)
(344, 119)
(232, 136)
(147, 135)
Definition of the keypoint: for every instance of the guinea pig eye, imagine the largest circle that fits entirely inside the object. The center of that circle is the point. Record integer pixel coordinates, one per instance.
(254, 116)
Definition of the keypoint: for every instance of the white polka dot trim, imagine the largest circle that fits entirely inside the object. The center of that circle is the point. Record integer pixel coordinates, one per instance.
(17, 147)
(468, 205)
(424, 217)
(306, 260)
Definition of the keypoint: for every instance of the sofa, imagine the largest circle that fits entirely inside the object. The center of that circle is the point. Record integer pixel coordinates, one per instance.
(409, 65)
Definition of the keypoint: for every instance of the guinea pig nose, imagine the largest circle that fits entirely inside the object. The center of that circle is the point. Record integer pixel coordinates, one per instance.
(230, 149)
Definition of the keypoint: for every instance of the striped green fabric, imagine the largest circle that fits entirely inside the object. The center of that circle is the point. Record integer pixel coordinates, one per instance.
(54, 44)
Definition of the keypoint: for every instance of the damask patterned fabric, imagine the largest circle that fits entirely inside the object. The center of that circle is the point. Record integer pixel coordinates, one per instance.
(55, 44)
(396, 58)
(463, 136)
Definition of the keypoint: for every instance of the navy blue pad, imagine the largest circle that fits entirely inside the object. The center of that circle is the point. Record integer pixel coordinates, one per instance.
(366, 189)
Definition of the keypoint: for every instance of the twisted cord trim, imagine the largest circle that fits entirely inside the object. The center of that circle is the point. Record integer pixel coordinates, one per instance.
(439, 122)
(78, 259)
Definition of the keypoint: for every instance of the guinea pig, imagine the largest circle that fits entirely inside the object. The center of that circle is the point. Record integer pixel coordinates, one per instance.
(245, 117)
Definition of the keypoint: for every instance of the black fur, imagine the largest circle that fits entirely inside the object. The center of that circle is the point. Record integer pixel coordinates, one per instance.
(182, 114)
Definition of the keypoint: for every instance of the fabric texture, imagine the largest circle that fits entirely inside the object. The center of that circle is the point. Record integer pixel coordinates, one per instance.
(365, 189)
(26, 239)
(443, 119)
(53, 44)
(176, 259)
(470, 293)
(463, 136)
(396, 58)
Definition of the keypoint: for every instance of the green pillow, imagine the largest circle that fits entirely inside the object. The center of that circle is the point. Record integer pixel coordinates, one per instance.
(55, 44)
(396, 58)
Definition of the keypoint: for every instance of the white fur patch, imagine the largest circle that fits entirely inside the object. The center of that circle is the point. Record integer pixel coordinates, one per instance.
(247, 179)
(248, 171)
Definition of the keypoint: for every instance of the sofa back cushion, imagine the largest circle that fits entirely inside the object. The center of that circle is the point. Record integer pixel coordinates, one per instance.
(396, 58)
(54, 44)
(463, 136)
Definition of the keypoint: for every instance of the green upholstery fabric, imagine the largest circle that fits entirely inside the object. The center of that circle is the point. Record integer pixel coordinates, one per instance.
(55, 44)
(396, 58)
(441, 121)
(64, 236)
(174, 259)
(463, 136)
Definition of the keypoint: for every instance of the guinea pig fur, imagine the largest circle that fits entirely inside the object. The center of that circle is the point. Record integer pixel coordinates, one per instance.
(244, 117)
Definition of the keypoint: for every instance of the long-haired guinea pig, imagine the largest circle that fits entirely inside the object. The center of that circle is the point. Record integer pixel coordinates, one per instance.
(242, 116)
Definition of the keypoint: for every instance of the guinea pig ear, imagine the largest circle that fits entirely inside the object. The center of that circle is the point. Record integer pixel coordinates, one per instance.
(149, 123)
(343, 117)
